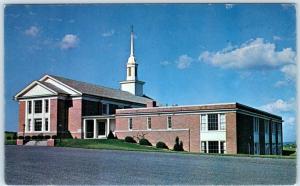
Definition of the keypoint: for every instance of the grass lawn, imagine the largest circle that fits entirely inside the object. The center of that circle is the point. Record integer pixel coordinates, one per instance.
(10, 135)
(112, 144)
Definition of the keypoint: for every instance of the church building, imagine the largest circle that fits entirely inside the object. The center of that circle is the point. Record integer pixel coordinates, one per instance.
(58, 106)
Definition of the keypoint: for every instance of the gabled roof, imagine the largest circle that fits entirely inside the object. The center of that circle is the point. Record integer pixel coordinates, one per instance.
(53, 87)
(101, 91)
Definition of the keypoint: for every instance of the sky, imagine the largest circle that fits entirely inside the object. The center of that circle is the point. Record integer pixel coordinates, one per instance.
(188, 54)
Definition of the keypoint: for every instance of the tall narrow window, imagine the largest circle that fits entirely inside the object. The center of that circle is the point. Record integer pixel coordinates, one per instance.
(28, 125)
(38, 106)
(135, 72)
(222, 147)
(203, 122)
(38, 124)
(29, 107)
(148, 123)
(169, 122)
(130, 123)
(222, 122)
(212, 121)
(129, 71)
(46, 105)
(46, 124)
(203, 147)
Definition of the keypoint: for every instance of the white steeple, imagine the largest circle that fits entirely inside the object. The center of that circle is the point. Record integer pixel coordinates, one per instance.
(132, 84)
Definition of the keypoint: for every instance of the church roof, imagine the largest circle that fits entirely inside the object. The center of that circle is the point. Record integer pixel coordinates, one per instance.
(101, 91)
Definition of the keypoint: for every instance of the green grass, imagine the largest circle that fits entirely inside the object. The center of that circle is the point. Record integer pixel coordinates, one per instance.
(112, 144)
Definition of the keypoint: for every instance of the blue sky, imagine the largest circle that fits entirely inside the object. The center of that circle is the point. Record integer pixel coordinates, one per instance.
(187, 53)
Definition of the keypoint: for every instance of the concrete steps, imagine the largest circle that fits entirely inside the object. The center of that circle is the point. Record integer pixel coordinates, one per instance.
(36, 143)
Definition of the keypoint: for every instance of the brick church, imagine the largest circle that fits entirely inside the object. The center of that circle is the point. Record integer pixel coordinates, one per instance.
(56, 105)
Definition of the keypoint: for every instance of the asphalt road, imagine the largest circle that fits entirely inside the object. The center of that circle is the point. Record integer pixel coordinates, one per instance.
(53, 165)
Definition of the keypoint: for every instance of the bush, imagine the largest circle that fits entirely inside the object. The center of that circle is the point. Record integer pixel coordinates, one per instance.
(178, 146)
(54, 137)
(111, 135)
(27, 138)
(15, 136)
(8, 138)
(21, 137)
(129, 139)
(161, 145)
(40, 137)
(34, 137)
(144, 141)
(47, 137)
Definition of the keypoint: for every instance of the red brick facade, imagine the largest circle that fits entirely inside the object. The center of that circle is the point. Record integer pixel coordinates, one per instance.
(74, 118)
(22, 108)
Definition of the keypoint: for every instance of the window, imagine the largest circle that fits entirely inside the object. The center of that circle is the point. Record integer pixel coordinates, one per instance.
(212, 121)
(104, 109)
(129, 71)
(222, 122)
(29, 107)
(135, 72)
(213, 147)
(169, 122)
(256, 148)
(203, 147)
(222, 147)
(38, 106)
(46, 105)
(256, 125)
(130, 123)
(267, 148)
(38, 124)
(28, 125)
(46, 124)
(203, 122)
(148, 122)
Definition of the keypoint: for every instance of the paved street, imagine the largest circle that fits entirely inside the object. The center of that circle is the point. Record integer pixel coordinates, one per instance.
(45, 165)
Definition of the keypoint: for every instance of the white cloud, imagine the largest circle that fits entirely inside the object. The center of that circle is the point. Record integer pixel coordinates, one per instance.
(108, 33)
(69, 41)
(277, 38)
(32, 31)
(184, 61)
(280, 106)
(290, 120)
(253, 54)
(290, 71)
(165, 63)
(229, 6)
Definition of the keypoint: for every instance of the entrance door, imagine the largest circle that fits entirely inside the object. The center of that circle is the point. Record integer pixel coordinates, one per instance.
(89, 128)
(101, 129)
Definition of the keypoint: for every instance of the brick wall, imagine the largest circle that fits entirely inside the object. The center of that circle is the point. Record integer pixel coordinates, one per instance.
(231, 133)
(186, 127)
(53, 115)
(74, 118)
(21, 116)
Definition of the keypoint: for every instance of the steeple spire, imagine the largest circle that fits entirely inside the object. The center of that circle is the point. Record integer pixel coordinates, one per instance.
(131, 41)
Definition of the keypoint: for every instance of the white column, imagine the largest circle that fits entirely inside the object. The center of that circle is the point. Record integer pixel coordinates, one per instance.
(84, 129)
(95, 129)
(219, 147)
(107, 126)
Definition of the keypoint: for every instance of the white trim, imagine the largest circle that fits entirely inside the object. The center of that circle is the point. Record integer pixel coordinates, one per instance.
(153, 130)
(241, 111)
(147, 124)
(157, 114)
(130, 119)
(30, 86)
(168, 122)
(48, 76)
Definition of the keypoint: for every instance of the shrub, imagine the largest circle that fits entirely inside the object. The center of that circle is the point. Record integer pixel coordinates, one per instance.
(54, 137)
(129, 139)
(47, 137)
(110, 135)
(15, 136)
(144, 141)
(40, 137)
(8, 138)
(161, 145)
(27, 138)
(34, 137)
(21, 137)
(178, 146)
